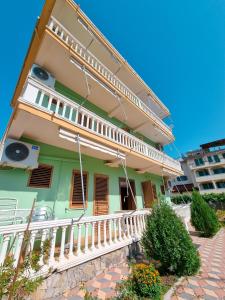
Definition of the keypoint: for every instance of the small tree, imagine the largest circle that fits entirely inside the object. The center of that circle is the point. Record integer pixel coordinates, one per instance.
(203, 217)
(166, 239)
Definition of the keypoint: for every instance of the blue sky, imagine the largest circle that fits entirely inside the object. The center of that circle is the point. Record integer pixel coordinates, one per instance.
(177, 46)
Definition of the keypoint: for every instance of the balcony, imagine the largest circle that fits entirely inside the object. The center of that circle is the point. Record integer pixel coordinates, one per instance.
(207, 164)
(211, 177)
(97, 70)
(44, 99)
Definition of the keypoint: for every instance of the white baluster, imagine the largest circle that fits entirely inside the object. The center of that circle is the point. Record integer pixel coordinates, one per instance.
(71, 255)
(30, 245)
(88, 121)
(52, 247)
(40, 101)
(128, 227)
(43, 239)
(4, 248)
(93, 236)
(18, 248)
(119, 229)
(110, 232)
(135, 226)
(115, 231)
(62, 246)
(57, 107)
(99, 235)
(131, 226)
(79, 240)
(51, 24)
(71, 113)
(50, 102)
(104, 228)
(86, 238)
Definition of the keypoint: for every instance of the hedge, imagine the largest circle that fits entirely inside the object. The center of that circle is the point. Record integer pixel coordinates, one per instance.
(209, 198)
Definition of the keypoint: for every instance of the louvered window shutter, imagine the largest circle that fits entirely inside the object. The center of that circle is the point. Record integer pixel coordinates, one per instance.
(41, 177)
(76, 197)
(101, 195)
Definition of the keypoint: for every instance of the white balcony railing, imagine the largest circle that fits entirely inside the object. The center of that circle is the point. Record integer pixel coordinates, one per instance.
(44, 98)
(77, 240)
(210, 177)
(58, 29)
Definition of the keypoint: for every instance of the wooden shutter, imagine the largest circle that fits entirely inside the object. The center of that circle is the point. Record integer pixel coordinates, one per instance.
(76, 189)
(101, 206)
(148, 194)
(41, 177)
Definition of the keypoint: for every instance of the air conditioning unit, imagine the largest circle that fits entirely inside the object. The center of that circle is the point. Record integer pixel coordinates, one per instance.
(42, 75)
(18, 154)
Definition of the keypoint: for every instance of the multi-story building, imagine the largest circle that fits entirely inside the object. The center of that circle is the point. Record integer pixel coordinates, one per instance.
(204, 169)
(77, 94)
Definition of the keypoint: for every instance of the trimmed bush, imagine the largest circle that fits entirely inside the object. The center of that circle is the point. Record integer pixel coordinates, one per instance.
(166, 239)
(203, 217)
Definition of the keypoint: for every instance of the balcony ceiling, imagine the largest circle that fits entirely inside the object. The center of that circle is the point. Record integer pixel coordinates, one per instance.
(69, 18)
(53, 56)
(36, 128)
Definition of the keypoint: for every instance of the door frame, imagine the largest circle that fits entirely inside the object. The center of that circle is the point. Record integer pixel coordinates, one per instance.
(134, 191)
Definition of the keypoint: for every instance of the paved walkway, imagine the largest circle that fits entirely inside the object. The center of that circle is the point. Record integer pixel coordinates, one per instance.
(209, 284)
(102, 286)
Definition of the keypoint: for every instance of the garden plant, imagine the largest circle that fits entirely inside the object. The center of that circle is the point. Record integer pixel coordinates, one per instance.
(166, 239)
(203, 217)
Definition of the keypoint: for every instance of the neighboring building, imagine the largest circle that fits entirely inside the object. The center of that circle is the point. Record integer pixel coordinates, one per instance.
(75, 90)
(204, 169)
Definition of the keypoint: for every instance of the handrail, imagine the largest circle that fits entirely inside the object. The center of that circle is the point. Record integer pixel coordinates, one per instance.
(37, 93)
(64, 34)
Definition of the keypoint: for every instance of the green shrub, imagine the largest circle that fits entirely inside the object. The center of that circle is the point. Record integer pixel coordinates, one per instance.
(144, 282)
(181, 199)
(166, 239)
(209, 198)
(203, 217)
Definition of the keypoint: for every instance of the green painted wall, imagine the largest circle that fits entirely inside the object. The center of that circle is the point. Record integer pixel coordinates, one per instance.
(90, 106)
(13, 182)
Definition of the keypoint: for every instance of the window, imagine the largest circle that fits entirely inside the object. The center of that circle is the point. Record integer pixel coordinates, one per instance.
(182, 178)
(208, 186)
(76, 199)
(210, 160)
(203, 172)
(216, 158)
(41, 177)
(220, 185)
(199, 161)
(219, 170)
(223, 155)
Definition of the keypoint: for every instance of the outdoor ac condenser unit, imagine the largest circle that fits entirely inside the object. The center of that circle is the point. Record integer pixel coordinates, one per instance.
(42, 75)
(18, 154)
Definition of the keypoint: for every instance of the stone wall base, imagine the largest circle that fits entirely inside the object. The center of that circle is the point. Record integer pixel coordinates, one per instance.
(58, 283)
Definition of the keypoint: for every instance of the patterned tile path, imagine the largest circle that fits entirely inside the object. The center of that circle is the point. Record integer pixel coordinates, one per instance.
(102, 286)
(209, 284)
